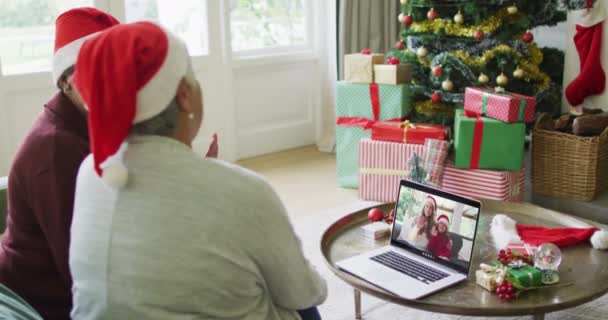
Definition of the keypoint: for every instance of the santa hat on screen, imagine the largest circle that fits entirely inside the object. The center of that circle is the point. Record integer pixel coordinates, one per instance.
(127, 75)
(72, 28)
(443, 219)
(505, 230)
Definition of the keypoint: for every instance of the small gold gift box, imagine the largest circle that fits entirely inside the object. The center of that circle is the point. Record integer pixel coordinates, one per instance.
(359, 67)
(392, 74)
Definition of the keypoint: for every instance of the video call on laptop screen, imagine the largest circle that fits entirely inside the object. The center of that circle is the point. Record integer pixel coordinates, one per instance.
(436, 227)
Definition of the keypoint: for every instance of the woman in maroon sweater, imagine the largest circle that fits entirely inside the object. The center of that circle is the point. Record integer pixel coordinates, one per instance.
(41, 184)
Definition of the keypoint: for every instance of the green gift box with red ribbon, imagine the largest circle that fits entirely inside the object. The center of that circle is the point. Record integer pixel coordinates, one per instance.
(485, 143)
(501, 105)
(358, 107)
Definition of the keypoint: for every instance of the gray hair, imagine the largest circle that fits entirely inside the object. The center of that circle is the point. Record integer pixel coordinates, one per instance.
(163, 124)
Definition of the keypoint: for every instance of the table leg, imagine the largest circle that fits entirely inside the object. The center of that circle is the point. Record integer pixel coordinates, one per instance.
(357, 304)
(539, 316)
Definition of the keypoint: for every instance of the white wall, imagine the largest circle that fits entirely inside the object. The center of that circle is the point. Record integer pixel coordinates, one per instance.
(551, 36)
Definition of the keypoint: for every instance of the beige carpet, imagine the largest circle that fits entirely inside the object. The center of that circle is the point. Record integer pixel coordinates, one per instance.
(305, 180)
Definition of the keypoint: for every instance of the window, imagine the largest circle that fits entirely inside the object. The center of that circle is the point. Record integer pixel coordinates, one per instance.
(261, 24)
(27, 33)
(186, 18)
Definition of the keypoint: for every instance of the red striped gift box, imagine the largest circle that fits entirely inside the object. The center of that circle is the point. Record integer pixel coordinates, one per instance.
(383, 164)
(484, 184)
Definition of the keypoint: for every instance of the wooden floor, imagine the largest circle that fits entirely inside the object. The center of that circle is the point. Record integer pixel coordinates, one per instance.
(304, 178)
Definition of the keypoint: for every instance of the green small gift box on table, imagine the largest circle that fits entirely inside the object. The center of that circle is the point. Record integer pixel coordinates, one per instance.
(525, 277)
(484, 143)
(358, 107)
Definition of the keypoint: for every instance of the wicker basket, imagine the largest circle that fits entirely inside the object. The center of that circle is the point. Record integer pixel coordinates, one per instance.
(568, 166)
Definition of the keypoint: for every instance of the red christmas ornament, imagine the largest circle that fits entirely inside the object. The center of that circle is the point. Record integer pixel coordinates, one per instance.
(437, 71)
(375, 214)
(400, 45)
(366, 51)
(436, 98)
(408, 20)
(432, 14)
(527, 37)
(478, 35)
(393, 61)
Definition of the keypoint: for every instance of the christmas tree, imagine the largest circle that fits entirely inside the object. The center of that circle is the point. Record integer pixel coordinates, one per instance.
(454, 44)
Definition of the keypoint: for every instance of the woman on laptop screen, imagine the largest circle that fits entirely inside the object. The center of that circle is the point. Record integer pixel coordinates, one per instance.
(423, 226)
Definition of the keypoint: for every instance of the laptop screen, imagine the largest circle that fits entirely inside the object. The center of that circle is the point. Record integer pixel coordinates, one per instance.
(435, 224)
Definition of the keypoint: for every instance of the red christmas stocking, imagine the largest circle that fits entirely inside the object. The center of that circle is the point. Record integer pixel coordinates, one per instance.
(592, 79)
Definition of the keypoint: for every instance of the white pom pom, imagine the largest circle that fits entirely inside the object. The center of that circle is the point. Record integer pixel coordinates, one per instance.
(114, 172)
(116, 176)
(599, 240)
(503, 231)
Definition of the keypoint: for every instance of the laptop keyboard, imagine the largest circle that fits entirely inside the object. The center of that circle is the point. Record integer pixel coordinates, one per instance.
(409, 267)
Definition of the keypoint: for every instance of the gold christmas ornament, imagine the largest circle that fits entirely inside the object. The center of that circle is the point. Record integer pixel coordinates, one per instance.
(447, 85)
(502, 80)
(459, 18)
(422, 52)
(404, 2)
(512, 9)
(483, 78)
(400, 18)
(519, 73)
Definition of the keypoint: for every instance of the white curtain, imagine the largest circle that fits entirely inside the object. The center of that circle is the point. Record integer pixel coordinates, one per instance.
(358, 24)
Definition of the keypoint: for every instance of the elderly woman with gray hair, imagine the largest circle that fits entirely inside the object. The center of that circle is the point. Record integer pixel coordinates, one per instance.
(158, 231)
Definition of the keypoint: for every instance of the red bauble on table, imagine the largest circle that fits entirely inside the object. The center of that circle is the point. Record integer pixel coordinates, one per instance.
(437, 71)
(527, 37)
(366, 51)
(408, 20)
(478, 35)
(432, 14)
(436, 98)
(375, 215)
(400, 45)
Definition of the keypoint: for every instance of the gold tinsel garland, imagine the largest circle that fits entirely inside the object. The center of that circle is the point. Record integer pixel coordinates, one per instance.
(452, 28)
(529, 65)
(427, 107)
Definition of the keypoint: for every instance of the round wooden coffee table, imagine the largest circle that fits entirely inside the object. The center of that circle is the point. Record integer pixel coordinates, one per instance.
(583, 272)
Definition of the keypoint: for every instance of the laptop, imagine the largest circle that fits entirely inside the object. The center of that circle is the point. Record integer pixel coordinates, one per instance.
(431, 245)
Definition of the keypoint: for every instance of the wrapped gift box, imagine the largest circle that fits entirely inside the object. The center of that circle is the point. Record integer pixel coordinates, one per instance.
(392, 74)
(507, 107)
(484, 184)
(525, 277)
(359, 68)
(376, 230)
(406, 132)
(358, 106)
(484, 143)
(382, 165)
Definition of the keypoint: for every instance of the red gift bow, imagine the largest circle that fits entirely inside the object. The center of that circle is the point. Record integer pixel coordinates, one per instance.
(374, 93)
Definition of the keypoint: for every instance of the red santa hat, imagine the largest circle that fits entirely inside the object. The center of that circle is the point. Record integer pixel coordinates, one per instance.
(72, 28)
(443, 219)
(505, 230)
(127, 75)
